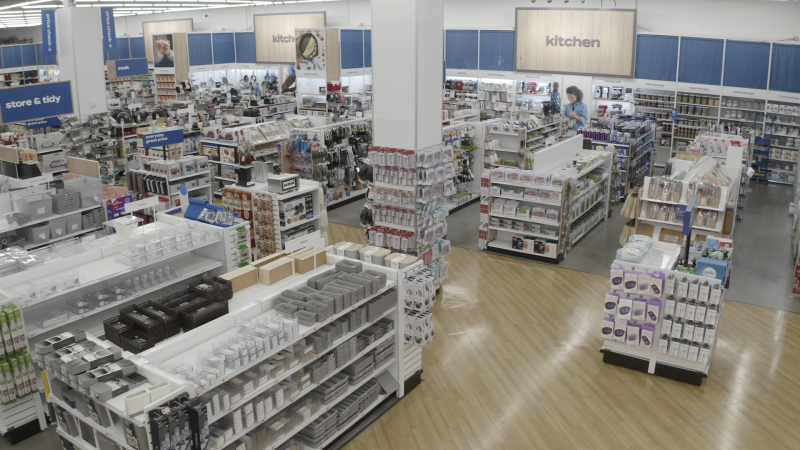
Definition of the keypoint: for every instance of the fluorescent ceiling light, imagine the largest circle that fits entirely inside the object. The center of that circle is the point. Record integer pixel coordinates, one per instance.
(25, 4)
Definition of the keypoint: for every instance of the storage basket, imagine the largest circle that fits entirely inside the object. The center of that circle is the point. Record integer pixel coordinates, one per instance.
(36, 206)
(87, 221)
(73, 223)
(37, 234)
(65, 201)
(90, 189)
(17, 218)
(58, 228)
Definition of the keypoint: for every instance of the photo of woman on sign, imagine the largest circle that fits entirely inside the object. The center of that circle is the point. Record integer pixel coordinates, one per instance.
(576, 109)
(163, 54)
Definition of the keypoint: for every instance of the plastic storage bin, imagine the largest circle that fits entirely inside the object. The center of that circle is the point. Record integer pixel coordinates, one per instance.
(90, 189)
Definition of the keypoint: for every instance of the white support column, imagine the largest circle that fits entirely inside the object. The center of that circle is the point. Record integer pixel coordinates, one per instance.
(407, 57)
(80, 57)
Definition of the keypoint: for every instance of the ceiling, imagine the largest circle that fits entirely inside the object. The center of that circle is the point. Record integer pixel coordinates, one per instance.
(15, 13)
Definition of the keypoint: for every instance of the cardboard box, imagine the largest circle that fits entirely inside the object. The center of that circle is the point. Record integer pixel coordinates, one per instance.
(275, 271)
(671, 236)
(268, 259)
(304, 260)
(242, 278)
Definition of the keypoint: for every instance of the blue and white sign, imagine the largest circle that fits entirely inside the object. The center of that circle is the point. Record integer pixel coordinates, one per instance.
(42, 123)
(162, 138)
(35, 101)
(109, 29)
(131, 67)
(49, 32)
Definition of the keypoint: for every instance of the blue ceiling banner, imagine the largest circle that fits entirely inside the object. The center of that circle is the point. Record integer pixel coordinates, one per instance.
(35, 101)
(49, 32)
(131, 67)
(109, 29)
(43, 123)
(161, 138)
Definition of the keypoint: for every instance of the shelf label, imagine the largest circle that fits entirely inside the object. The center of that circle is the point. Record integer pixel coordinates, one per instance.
(700, 88)
(656, 84)
(149, 202)
(784, 97)
(744, 92)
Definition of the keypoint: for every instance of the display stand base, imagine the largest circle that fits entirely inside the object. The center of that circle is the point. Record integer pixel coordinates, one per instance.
(20, 433)
(347, 200)
(464, 205)
(530, 256)
(662, 370)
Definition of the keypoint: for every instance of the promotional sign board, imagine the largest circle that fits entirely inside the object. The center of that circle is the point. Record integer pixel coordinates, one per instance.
(163, 27)
(275, 35)
(576, 41)
(43, 123)
(131, 67)
(49, 32)
(162, 138)
(35, 101)
(109, 29)
(310, 53)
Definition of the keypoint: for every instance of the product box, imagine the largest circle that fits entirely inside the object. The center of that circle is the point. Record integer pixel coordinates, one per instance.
(633, 331)
(115, 207)
(638, 310)
(631, 282)
(643, 280)
(620, 329)
(607, 328)
(242, 278)
(610, 305)
(624, 308)
(712, 268)
(656, 284)
(653, 311)
(647, 335)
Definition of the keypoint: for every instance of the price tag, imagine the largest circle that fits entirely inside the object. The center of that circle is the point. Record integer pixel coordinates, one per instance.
(94, 122)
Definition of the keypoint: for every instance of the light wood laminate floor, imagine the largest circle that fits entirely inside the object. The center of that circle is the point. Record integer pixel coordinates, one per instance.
(516, 365)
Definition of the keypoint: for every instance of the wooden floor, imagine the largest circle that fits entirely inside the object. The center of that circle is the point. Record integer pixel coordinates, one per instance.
(516, 365)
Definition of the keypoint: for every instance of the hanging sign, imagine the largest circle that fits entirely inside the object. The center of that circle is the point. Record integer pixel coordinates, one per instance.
(42, 123)
(35, 101)
(49, 32)
(109, 29)
(131, 67)
(162, 138)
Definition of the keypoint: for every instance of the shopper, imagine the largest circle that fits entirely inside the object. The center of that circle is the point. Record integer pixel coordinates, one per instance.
(289, 81)
(576, 109)
(555, 99)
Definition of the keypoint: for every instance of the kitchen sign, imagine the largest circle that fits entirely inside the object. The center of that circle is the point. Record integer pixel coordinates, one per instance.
(276, 38)
(576, 41)
(49, 32)
(109, 29)
(35, 101)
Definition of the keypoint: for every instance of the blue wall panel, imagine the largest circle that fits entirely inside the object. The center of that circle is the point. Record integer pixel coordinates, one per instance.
(497, 50)
(28, 54)
(352, 42)
(657, 57)
(200, 49)
(137, 47)
(461, 49)
(367, 48)
(785, 74)
(245, 47)
(123, 47)
(8, 56)
(746, 64)
(701, 60)
(224, 48)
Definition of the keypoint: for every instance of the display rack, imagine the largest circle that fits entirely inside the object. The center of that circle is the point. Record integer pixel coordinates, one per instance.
(666, 348)
(545, 219)
(514, 144)
(664, 224)
(158, 364)
(466, 139)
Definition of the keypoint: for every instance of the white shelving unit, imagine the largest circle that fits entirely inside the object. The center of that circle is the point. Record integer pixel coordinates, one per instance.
(573, 205)
(258, 301)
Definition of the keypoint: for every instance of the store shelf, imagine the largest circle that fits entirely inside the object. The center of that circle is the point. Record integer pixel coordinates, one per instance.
(535, 186)
(59, 239)
(523, 232)
(616, 144)
(395, 186)
(395, 226)
(653, 107)
(698, 117)
(506, 245)
(528, 200)
(589, 208)
(349, 391)
(5, 227)
(298, 223)
(610, 100)
(279, 442)
(224, 179)
(287, 375)
(224, 144)
(585, 233)
(114, 432)
(781, 135)
(163, 175)
(787, 124)
(663, 222)
(783, 146)
(503, 150)
(347, 426)
(196, 266)
(736, 108)
(461, 117)
(524, 219)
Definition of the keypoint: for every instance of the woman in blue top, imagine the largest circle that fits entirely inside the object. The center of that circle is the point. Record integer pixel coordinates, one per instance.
(576, 109)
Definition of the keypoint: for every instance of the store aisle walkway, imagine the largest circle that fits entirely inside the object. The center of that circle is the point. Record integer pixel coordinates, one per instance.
(762, 259)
